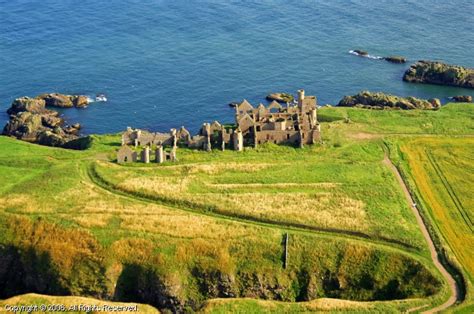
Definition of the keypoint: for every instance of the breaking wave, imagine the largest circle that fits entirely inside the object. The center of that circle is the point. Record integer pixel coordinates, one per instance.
(353, 52)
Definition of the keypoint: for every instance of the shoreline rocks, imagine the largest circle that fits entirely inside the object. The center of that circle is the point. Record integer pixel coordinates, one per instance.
(430, 72)
(362, 53)
(391, 59)
(370, 100)
(462, 98)
(30, 121)
(396, 59)
(280, 97)
(64, 101)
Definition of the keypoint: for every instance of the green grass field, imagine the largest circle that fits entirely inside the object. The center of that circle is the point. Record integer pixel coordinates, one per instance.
(212, 225)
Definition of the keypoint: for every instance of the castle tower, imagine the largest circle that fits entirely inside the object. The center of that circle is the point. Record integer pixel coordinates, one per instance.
(255, 138)
(314, 117)
(146, 155)
(301, 138)
(223, 134)
(300, 98)
(206, 131)
(175, 138)
(159, 154)
(238, 140)
(173, 155)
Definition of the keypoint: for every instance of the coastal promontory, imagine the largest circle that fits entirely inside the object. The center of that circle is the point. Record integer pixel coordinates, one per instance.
(430, 72)
(370, 100)
(31, 121)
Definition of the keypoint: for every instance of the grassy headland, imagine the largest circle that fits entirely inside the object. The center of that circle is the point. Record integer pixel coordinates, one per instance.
(211, 226)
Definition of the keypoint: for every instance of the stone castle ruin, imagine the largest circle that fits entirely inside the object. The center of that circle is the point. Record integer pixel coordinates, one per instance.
(292, 124)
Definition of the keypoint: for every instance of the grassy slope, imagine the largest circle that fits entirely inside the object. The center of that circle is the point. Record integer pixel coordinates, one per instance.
(65, 196)
(337, 188)
(57, 191)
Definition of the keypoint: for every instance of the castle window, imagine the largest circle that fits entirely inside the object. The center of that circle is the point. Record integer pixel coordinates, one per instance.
(288, 136)
(258, 128)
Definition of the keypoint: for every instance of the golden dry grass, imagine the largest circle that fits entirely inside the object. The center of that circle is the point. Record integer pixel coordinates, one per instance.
(443, 171)
(231, 186)
(329, 210)
(321, 209)
(22, 203)
(262, 306)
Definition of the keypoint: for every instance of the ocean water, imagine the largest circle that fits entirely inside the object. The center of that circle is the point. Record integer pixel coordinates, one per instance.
(167, 63)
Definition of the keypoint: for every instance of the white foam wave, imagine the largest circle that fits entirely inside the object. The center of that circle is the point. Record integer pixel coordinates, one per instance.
(365, 56)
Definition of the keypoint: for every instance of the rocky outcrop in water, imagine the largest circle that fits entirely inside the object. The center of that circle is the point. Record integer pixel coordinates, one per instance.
(31, 121)
(64, 101)
(440, 73)
(280, 97)
(365, 54)
(361, 53)
(370, 100)
(463, 98)
(396, 59)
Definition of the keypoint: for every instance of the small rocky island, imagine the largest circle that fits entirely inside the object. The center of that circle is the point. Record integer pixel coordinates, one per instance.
(430, 72)
(370, 100)
(281, 97)
(31, 121)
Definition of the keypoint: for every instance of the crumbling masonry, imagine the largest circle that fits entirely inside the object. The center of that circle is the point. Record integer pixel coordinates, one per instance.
(293, 124)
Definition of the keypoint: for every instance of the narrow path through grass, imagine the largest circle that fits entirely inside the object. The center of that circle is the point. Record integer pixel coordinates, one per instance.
(455, 295)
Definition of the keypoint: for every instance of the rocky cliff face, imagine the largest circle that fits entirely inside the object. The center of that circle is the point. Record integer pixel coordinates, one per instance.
(45, 258)
(370, 100)
(439, 73)
(31, 121)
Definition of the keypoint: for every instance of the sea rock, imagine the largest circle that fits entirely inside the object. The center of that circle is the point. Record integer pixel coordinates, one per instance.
(77, 126)
(51, 121)
(24, 126)
(430, 72)
(49, 138)
(463, 98)
(361, 52)
(31, 121)
(396, 59)
(80, 143)
(80, 101)
(280, 97)
(435, 102)
(57, 100)
(370, 100)
(27, 104)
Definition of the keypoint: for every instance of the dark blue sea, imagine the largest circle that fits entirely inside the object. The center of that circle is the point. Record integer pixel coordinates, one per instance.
(169, 63)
